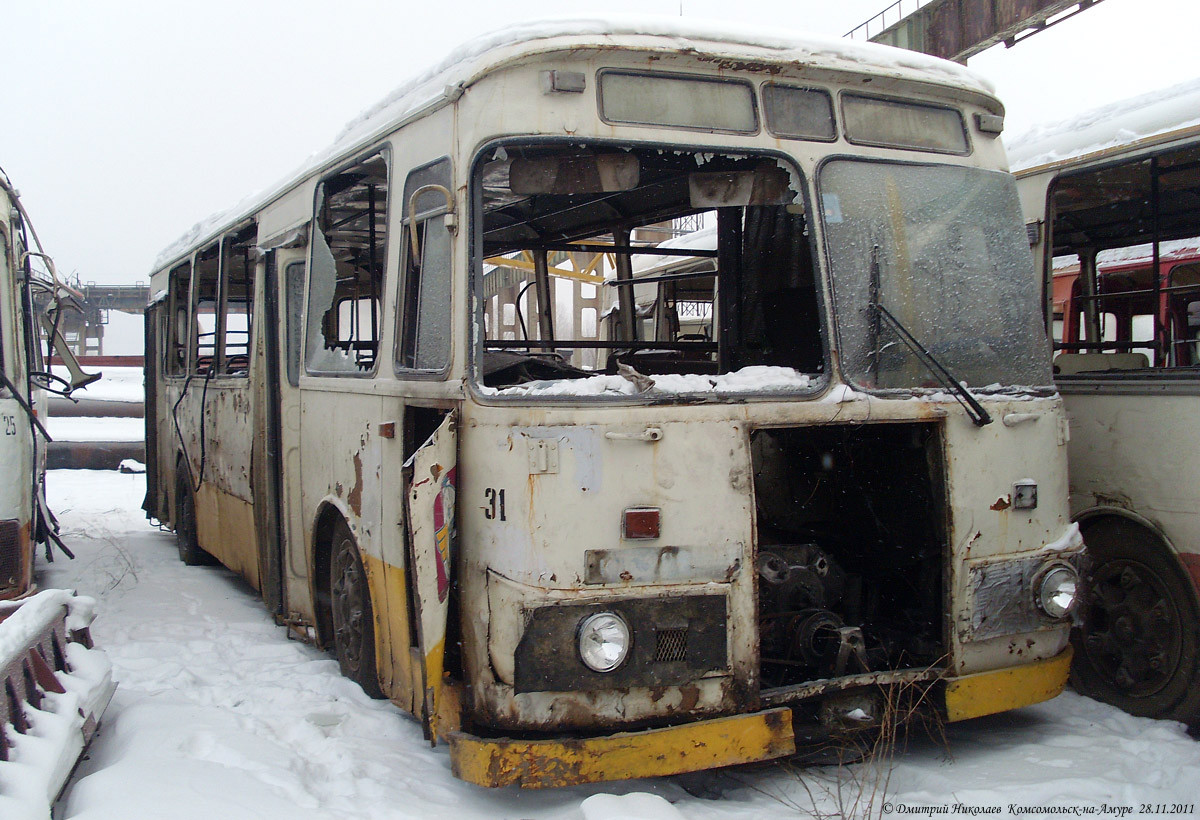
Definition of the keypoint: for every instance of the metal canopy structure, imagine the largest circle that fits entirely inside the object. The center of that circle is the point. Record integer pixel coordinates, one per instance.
(82, 324)
(958, 29)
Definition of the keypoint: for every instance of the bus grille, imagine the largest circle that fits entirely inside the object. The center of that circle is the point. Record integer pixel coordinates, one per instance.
(670, 645)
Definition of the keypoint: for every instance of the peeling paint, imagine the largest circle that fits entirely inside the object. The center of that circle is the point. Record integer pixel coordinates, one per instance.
(354, 498)
(1002, 503)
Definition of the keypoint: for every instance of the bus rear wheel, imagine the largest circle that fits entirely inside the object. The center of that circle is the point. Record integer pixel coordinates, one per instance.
(353, 620)
(186, 532)
(1139, 647)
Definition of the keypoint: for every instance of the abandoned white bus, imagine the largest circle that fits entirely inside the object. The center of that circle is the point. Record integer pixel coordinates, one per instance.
(1114, 199)
(592, 507)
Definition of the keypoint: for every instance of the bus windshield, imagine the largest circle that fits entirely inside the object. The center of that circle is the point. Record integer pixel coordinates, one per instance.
(942, 249)
(621, 271)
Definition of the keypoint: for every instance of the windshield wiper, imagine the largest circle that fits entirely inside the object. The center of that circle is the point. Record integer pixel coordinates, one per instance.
(979, 416)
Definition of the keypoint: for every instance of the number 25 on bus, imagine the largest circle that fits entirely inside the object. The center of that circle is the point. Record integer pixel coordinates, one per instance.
(621, 410)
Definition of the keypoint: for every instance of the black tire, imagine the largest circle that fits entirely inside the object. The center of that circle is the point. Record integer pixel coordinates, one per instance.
(351, 615)
(186, 537)
(1139, 645)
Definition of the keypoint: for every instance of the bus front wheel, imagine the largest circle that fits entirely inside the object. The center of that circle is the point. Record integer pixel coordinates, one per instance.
(353, 620)
(1139, 645)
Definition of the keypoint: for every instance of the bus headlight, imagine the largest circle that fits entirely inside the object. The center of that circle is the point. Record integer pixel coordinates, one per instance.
(1057, 591)
(603, 641)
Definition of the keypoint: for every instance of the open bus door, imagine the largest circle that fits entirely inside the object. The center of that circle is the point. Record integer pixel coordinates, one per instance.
(430, 482)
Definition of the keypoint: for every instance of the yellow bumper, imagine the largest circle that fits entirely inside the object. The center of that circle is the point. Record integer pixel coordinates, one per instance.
(709, 744)
(987, 693)
(541, 764)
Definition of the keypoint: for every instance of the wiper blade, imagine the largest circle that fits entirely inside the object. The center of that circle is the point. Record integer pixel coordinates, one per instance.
(979, 416)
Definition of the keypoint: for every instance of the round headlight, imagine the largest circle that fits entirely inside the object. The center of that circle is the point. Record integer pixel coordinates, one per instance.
(1058, 591)
(603, 641)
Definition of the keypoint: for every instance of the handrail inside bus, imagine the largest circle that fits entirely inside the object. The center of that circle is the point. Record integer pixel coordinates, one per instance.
(450, 221)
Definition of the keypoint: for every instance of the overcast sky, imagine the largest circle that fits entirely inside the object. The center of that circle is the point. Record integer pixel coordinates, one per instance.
(126, 122)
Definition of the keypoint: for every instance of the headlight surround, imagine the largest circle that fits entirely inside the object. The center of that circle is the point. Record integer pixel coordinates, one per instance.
(603, 641)
(1057, 590)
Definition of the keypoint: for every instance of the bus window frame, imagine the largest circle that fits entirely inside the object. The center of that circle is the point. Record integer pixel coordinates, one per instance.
(381, 150)
(179, 367)
(826, 258)
(834, 119)
(423, 219)
(819, 383)
(245, 234)
(677, 75)
(845, 132)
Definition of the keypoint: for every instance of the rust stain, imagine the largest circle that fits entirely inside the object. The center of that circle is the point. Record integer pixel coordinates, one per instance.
(725, 64)
(689, 696)
(355, 496)
(1001, 504)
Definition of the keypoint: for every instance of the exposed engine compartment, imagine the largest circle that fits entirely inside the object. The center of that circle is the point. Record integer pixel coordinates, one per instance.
(850, 554)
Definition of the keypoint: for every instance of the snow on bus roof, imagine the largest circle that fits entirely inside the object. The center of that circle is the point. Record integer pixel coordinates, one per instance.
(465, 63)
(1112, 125)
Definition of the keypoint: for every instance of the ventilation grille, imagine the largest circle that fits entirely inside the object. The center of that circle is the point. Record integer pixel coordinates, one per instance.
(670, 645)
(10, 554)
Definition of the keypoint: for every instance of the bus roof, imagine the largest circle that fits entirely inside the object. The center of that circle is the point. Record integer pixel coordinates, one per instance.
(1107, 130)
(445, 82)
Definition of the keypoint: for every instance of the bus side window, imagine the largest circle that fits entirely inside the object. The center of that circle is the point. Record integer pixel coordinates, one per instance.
(426, 314)
(207, 316)
(179, 291)
(237, 301)
(349, 252)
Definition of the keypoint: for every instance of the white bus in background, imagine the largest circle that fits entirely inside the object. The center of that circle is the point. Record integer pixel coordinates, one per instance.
(561, 490)
(1112, 199)
(45, 640)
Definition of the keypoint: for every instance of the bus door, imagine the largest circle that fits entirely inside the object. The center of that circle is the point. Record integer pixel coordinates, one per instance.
(282, 559)
(431, 475)
(222, 397)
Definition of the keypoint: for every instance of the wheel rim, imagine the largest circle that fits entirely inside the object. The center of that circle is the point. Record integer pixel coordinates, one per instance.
(1133, 632)
(348, 593)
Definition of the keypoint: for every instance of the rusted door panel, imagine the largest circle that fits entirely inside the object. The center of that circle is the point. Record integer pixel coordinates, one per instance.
(432, 476)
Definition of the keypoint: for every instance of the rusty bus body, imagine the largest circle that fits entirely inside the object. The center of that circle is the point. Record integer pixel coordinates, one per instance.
(1113, 202)
(592, 506)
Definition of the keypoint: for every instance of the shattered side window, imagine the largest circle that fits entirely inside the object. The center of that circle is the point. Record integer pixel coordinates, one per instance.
(610, 271)
(349, 251)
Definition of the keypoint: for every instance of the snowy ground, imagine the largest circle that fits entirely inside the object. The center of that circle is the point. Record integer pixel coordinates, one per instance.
(218, 714)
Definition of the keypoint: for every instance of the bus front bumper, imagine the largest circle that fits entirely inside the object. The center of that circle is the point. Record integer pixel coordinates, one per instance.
(710, 744)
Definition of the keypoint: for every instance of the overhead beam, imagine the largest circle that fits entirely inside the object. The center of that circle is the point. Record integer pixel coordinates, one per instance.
(958, 29)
